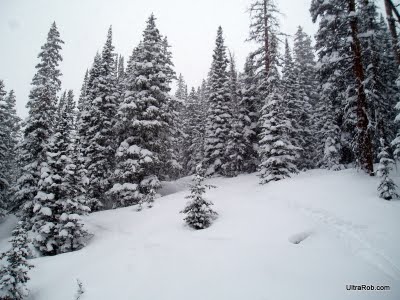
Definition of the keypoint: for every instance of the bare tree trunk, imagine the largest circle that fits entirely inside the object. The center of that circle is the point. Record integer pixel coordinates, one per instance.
(394, 9)
(364, 143)
(389, 7)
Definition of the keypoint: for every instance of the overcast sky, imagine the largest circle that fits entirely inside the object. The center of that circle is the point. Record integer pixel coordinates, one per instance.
(190, 26)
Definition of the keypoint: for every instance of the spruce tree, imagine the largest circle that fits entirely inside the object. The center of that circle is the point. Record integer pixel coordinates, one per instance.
(264, 25)
(248, 114)
(57, 208)
(39, 125)
(277, 153)
(193, 145)
(386, 187)
(4, 152)
(14, 272)
(199, 214)
(145, 122)
(237, 140)
(85, 115)
(102, 105)
(334, 110)
(219, 117)
(305, 72)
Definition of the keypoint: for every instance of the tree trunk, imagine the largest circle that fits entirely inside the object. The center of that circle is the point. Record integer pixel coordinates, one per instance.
(364, 144)
(389, 7)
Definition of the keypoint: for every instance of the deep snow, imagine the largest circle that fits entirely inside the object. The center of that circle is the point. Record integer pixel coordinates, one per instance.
(302, 238)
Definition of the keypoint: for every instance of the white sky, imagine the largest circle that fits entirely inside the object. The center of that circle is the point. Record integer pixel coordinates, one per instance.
(190, 26)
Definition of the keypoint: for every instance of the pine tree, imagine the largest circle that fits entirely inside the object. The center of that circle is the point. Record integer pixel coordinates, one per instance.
(102, 106)
(85, 115)
(335, 108)
(237, 140)
(249, 114)
(380, 70)
(219, 117)
(264, 26)
(386, 187)
(56, 222)
(40, 123)
(199, 214)
(10, 138)
(181, 91)
(4, 152)
(14, 273)
(145, 122)
(277, 153)
(193, 144)
(296, 113)
(306, 77)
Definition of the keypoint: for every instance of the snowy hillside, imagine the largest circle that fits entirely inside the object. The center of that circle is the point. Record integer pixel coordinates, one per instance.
(301, 238)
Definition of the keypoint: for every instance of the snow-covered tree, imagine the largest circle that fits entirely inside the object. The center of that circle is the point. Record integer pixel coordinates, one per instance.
(248, 114)
(4, 151)
(297, 113)
(277, 153)
(193, 122)
(145, 122)
(306, 77)
(102, 105)
(219, 117)
(181, 91)
(264, 26)
(15, 267)
(380, 70)
(83, 123)
(39, 125)
(386, 187)
(335, 81)
(237, 139)
(57, 208)
(199, 214)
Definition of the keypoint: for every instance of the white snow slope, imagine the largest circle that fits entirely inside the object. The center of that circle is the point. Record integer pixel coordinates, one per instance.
(302, 238)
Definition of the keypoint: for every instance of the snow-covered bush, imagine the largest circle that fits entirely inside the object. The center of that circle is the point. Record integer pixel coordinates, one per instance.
(15, 267)
(199, 215)
(386, 187)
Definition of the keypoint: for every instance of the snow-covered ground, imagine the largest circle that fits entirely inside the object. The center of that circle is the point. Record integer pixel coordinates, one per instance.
(302, 238)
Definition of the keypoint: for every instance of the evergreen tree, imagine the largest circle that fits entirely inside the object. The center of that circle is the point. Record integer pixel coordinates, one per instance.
(199, 214)
(264, 27)
(85, 115)
(145, 122)
(237, 140)
(296, 105)
(14, 273)
(4, 151)
(380, 71)
(57, 209)
(10, 137)
(40, 123)
(193, 144)
(248, 114)
(102, 106)
(386, 187)
(334, 110)
(305, 73)
(219, 117)
(277, 153)
(181, 91)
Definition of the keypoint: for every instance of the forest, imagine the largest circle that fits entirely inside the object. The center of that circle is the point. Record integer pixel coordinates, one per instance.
(325, 102)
